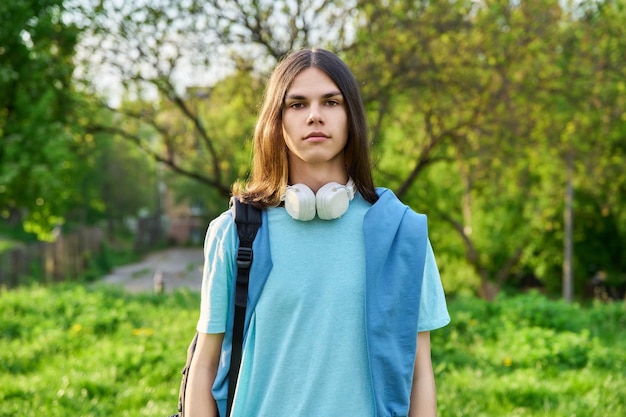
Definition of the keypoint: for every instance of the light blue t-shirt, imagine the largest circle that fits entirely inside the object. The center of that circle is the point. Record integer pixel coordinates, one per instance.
(305, 351)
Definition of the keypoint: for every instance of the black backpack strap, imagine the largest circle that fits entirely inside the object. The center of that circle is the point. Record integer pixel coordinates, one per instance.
(248, 221)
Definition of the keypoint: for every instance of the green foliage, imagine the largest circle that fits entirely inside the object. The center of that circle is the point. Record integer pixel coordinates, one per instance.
(104, 262)
(530, 356)
(52, 172)
(121, 184)
(36, 104)
(228, 110)
(474, 108)
(70, 350)
(13, 235)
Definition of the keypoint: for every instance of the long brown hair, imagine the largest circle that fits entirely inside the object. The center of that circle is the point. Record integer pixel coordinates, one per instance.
(270, 167)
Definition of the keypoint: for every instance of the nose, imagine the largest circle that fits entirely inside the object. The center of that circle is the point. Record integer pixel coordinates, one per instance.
(315, 115)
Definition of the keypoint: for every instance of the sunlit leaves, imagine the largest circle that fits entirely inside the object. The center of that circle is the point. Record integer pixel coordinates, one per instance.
(495, 93)
(36, 103)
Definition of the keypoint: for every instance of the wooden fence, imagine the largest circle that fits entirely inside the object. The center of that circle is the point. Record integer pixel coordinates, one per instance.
(65, 259)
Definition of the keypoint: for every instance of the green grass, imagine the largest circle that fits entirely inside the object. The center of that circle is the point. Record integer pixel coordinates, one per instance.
(530, 356)
(69, 350)
(73, 351)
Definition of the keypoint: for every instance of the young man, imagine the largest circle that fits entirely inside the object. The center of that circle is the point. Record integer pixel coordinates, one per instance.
(344, 288)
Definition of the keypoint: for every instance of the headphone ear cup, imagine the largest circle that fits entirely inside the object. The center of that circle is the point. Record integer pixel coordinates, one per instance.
(300, 202)
(332, 201)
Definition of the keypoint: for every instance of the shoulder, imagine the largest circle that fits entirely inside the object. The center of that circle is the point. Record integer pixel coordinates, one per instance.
(392, 205)
(224, 221)
(222, 228)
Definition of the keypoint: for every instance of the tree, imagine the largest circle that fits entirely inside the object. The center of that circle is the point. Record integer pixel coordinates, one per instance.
(445, 91)
(592, 56)
(149, 47)
(474, 108)
(37, 142)
(472, 99)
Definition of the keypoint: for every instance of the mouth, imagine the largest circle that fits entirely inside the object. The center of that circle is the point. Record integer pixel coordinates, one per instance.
(316, 136)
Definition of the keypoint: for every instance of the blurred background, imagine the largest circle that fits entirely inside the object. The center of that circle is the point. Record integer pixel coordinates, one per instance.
(124, 124)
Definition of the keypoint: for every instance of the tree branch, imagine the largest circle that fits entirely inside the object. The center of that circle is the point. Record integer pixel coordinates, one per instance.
(167, 160)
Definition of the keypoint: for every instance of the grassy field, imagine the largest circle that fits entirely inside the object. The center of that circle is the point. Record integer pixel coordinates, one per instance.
(529, 356)
(73, 351)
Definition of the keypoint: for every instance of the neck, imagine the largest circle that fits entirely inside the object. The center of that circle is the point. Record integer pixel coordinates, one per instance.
(316, 178)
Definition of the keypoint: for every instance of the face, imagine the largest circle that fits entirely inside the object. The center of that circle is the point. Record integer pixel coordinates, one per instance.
(315, 123)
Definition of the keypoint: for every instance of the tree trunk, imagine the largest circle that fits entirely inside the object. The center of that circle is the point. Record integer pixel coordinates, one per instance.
(568, 226)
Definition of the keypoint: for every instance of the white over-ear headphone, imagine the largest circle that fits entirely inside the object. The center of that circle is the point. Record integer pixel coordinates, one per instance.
(330, 202)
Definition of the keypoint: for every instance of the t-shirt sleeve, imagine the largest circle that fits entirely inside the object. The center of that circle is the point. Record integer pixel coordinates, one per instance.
(217, 274)
(433, 312)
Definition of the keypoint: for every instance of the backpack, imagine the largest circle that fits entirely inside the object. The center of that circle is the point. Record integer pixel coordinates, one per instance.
(248, 220)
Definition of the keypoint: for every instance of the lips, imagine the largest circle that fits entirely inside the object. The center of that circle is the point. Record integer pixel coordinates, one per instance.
(317, 135)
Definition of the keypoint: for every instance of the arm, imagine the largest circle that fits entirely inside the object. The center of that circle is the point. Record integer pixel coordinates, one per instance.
(199, 401)
(423, 393)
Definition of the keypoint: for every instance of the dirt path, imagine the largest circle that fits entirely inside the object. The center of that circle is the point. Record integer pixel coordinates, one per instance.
(176, 268)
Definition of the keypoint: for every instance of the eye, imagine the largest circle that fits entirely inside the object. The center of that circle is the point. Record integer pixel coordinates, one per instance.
(296, 105)
(333, 102)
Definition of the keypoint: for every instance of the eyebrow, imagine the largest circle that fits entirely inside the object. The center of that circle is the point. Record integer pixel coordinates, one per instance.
(301, 97)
